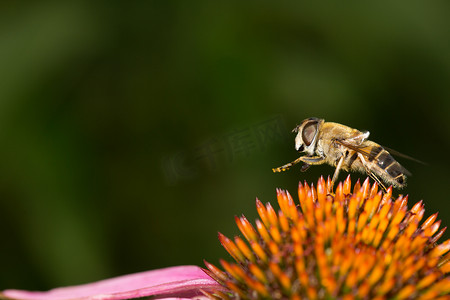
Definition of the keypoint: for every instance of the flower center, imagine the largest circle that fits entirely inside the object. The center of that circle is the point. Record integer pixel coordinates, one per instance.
(361, 244)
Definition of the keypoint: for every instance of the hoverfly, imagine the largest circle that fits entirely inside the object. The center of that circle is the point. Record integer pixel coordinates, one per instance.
(345, 148)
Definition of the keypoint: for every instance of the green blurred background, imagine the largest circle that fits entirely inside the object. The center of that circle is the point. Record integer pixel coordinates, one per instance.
(131, 132)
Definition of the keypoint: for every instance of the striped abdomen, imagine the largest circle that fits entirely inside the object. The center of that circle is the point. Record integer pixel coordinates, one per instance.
(385, 166)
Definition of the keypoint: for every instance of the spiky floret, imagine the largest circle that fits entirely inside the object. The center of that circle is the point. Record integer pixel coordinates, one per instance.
(360, 245)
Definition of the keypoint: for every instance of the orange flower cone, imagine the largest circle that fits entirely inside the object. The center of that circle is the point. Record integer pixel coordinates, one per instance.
(347, 245)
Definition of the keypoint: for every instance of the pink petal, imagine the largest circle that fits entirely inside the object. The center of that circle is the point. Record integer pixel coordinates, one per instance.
(181, 281)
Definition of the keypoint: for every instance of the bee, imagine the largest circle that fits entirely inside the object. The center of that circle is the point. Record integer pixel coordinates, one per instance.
(345, 148)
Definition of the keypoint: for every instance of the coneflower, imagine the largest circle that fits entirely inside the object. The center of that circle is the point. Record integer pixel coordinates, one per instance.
(355, 243)
(347, 245)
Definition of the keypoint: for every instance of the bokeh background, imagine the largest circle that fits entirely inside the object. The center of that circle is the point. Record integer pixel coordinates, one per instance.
(132, 132)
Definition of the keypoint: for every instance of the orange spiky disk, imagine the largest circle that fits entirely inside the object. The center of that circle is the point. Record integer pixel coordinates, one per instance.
(354, 244)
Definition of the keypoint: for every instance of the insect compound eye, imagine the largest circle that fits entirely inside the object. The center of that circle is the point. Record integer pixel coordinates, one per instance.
(309, 132)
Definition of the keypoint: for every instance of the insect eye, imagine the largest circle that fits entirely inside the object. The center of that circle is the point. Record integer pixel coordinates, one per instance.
(309, 132)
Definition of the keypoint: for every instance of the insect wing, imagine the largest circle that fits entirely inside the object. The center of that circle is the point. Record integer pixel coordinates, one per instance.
(399, 154)
(364, 150)
(371, 153)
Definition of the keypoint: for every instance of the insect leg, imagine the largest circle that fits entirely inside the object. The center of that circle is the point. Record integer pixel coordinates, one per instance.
(286, 166)
(312, 160)
(375, 178)
(305, 167)
(309, 160)
(371, 174)
(336, 172)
